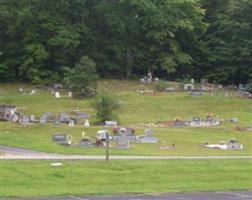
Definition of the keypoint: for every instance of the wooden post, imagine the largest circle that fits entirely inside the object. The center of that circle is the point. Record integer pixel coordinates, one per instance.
(107, 147)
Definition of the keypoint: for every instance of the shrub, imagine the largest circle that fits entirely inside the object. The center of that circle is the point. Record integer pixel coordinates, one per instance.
(161, 85)
(105, 106)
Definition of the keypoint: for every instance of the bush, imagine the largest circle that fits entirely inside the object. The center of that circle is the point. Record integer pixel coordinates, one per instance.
(161, 85)
(82, 79)
(105, 106)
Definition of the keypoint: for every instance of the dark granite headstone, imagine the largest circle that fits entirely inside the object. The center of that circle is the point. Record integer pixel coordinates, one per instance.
(61, 138)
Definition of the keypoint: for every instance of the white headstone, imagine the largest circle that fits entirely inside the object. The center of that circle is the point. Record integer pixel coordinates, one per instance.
(32, 118)
(192, 81)
(32, 92)
(70, 94)
(71, 123)
(57, 95)
(86, 123)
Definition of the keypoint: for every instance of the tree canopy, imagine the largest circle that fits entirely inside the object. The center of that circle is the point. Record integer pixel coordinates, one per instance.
(175, 39)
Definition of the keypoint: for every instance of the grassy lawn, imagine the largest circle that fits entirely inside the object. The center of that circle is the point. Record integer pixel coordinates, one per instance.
(136, 110)
(38, 178)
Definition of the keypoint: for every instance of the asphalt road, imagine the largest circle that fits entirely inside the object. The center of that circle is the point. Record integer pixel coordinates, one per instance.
(173, 196)
(12, 153)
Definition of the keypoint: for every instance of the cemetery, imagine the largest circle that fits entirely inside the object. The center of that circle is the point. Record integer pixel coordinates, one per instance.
(125, 99)
(146, 125)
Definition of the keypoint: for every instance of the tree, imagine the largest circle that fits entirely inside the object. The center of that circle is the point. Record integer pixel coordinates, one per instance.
(82, 79)
(229, 41)
(105, 105)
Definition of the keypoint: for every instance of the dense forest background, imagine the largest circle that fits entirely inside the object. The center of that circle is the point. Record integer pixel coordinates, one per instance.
(174, 39)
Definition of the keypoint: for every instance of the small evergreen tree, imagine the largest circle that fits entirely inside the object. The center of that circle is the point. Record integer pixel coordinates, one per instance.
(105, 106)
(82, 79)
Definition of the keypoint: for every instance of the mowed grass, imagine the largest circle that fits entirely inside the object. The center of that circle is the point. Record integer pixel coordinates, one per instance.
(136, 110)
(38, 178)
(188, 141)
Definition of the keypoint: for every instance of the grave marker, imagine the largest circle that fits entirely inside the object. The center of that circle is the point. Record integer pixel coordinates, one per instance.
(86, 123)
(57, 95)
(123, 143)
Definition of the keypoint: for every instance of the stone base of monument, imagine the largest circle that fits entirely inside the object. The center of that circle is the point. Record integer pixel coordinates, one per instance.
(86, 143)
(130, 138)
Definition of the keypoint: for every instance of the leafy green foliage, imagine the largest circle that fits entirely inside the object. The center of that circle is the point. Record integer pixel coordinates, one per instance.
(161, 85)
(127, 38)
(82, 79)
(105, 105)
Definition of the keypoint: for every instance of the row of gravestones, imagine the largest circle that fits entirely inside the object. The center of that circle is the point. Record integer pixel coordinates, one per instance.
(64, 118)
(122, 139)
(54, 92)
(197, 121)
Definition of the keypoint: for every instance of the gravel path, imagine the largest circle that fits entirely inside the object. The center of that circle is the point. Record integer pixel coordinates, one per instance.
(13, 153)
(242, 195)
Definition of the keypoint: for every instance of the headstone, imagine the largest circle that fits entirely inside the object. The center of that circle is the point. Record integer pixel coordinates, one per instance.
(85, 141)
(147, 137)
(226, 94)
(42, 120)
(234, 120)
(197, 93)
(148, 132)
(75, 110)
(189, 87)
(234, 144)
(32, 92)
(149, 76)
(63, 118)
(62, 139)
(20, 89)
(195, 121)
(32, 118)
(25, 120)
(192, 81)
(110, 123)
(71, 123)
(123, 143)
(86, 123)
(56, 122)
(170, 89)
(241, 87)
(70, 94)
(178, 123)
(57, 95)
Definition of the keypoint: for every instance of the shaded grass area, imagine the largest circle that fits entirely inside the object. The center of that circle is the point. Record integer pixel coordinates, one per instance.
(38, 178)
